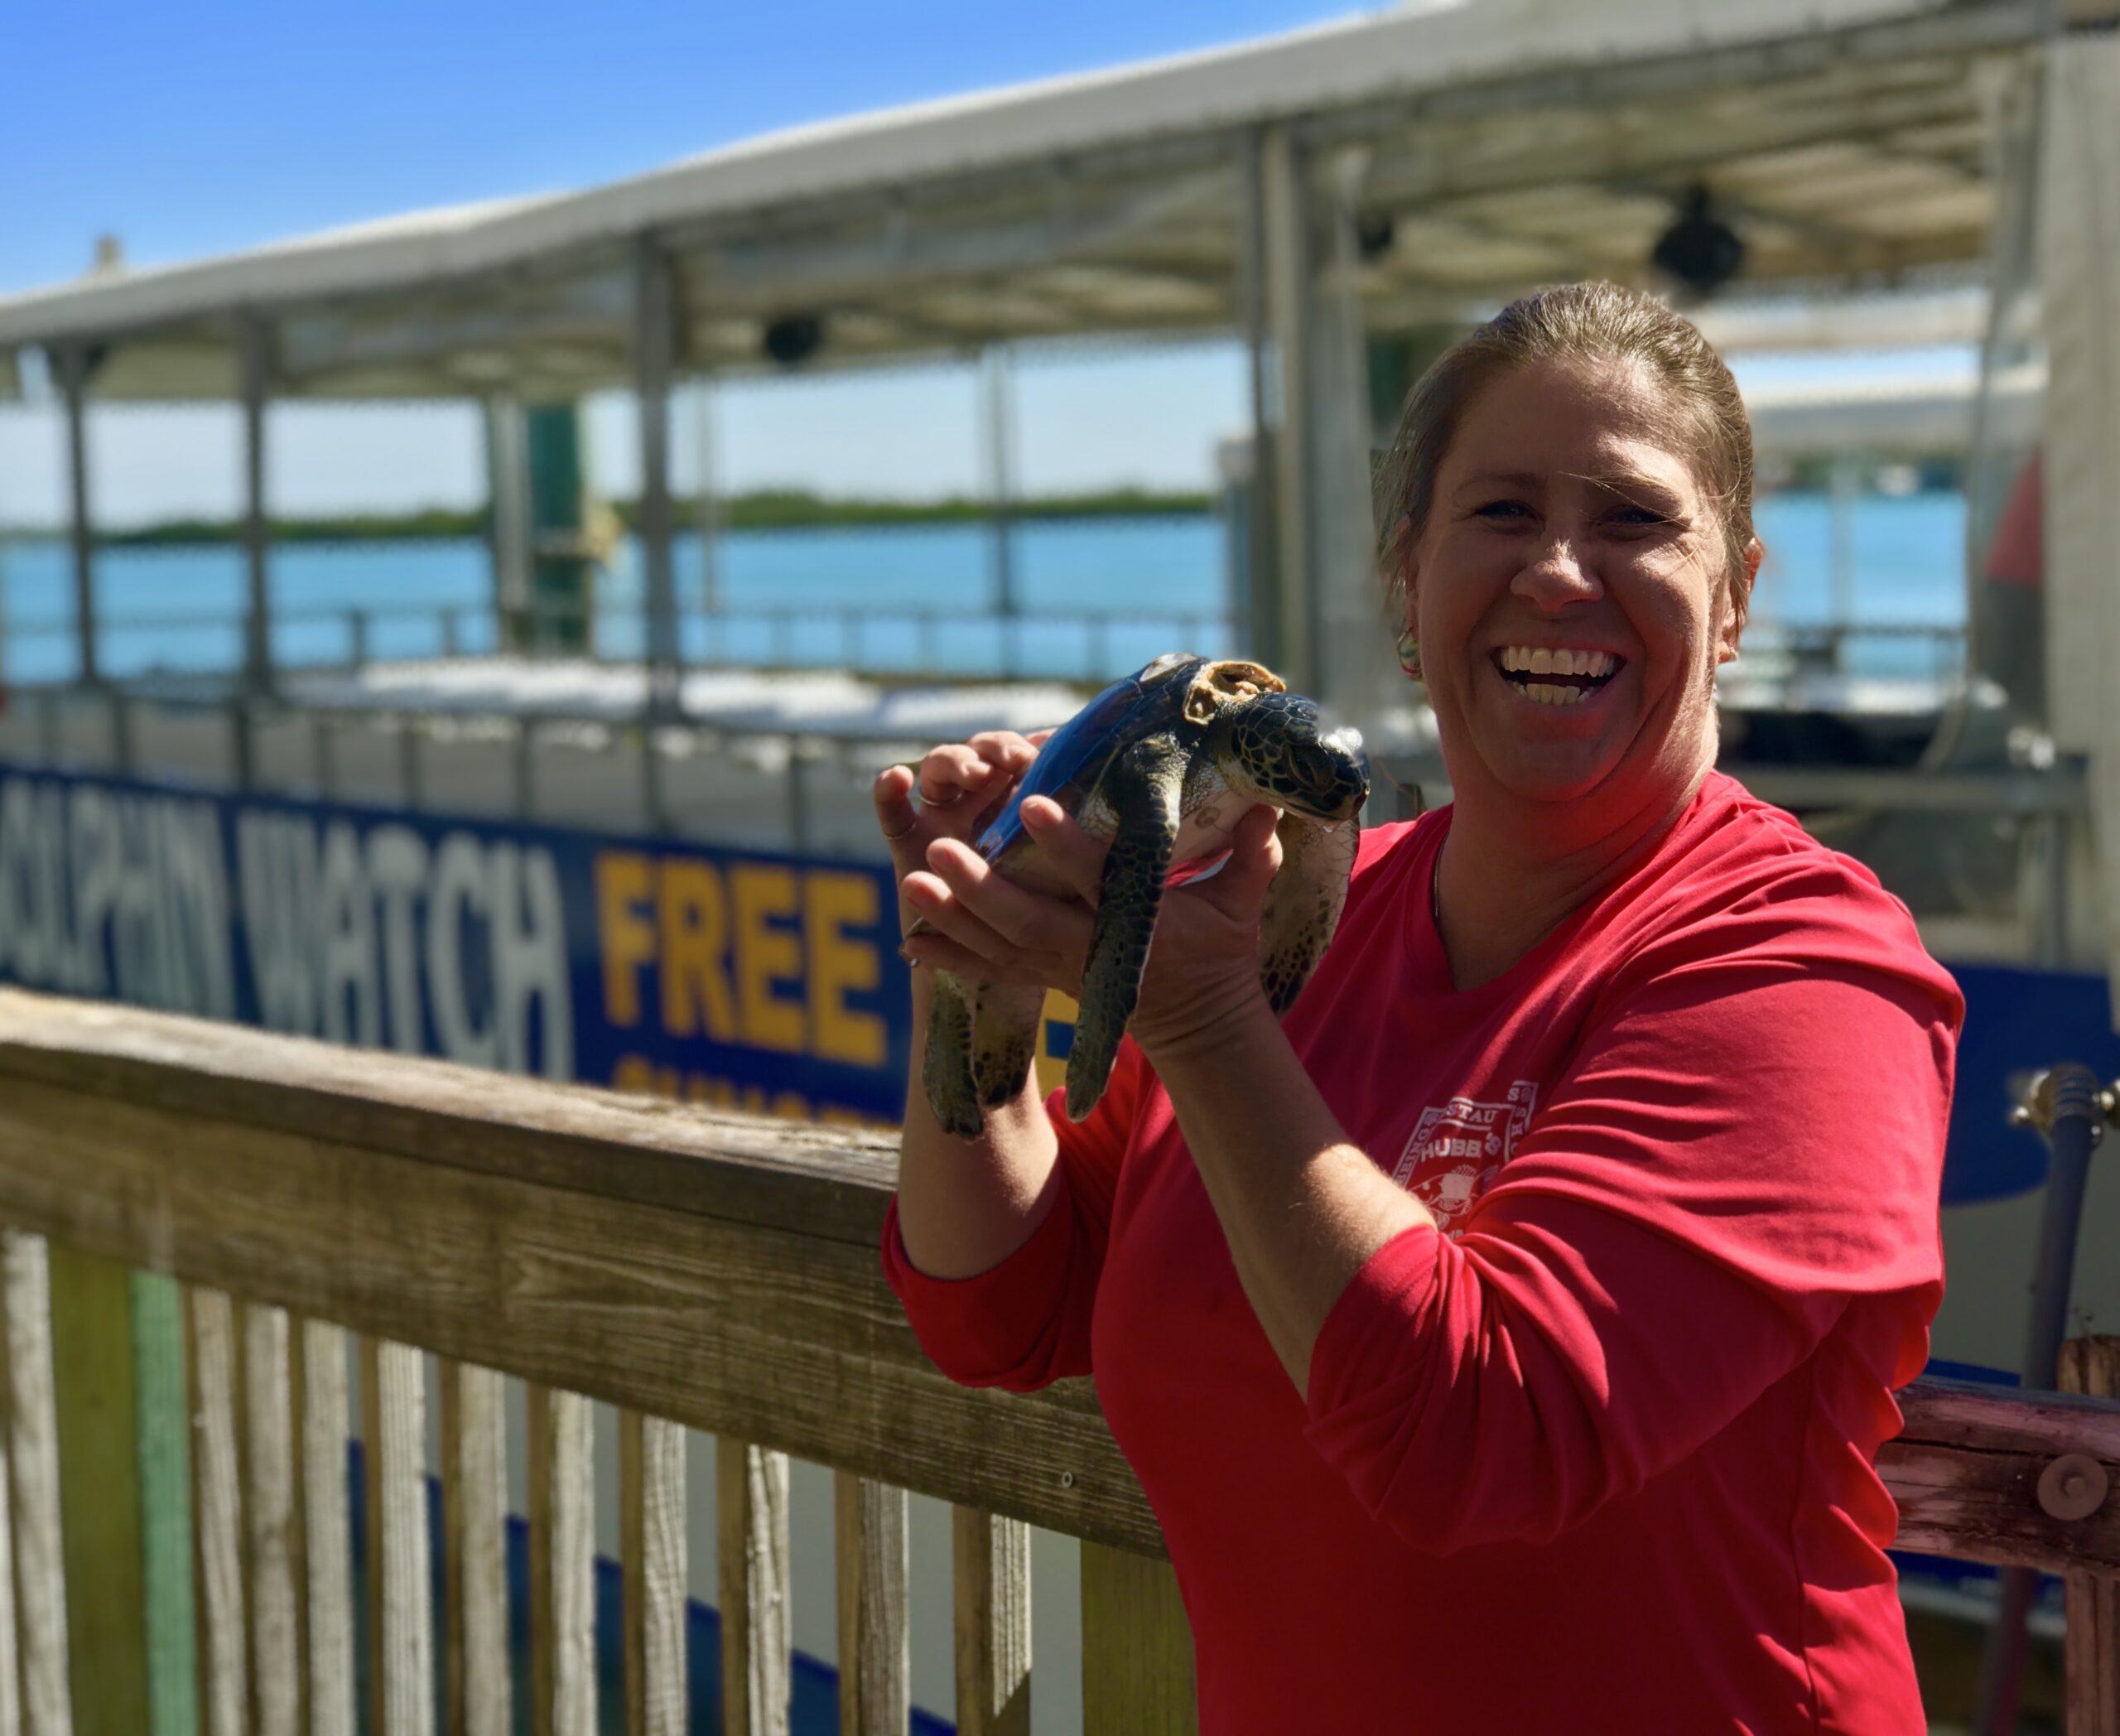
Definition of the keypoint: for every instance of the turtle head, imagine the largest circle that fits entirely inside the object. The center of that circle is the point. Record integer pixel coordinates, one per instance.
(1276, 747)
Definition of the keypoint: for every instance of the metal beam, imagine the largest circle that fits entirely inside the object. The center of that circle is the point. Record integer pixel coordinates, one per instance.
(1286, 229)
(707, 506)
(508, 491)
(998, 426)
(654, 342)
(1258, 611)
(1979, 26)
(253, 343)
(73, 369)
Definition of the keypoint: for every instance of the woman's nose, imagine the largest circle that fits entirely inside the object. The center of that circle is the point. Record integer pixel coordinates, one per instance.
(1557, 575)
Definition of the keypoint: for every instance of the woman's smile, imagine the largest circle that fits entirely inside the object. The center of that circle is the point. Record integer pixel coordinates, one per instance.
(1559, 675)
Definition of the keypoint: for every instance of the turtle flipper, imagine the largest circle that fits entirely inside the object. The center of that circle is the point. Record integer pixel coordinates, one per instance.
(1303, 903)
(1003, 1039)
(945, 1070)
(1143, 786)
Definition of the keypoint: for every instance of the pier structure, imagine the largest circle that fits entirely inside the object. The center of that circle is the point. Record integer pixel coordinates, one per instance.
(1328, 195)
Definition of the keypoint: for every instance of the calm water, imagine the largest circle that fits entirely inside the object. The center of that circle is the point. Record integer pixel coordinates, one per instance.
(1093, 598)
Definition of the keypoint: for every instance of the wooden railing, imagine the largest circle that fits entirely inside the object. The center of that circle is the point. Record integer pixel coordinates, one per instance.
(694, 1270)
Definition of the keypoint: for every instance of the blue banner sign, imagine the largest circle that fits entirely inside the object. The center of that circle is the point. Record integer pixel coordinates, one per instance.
(742, 979)
(761, 982)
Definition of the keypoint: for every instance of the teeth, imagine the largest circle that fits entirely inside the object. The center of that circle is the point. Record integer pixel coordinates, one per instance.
(1543, 660)
(1547, 692)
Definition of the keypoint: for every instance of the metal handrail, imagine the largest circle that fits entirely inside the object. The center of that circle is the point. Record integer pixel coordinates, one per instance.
(540, 624)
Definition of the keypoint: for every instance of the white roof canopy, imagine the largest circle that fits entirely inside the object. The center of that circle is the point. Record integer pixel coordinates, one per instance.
(1483, 145)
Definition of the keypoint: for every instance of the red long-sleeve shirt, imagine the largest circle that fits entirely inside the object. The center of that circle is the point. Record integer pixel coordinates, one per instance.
(1596, 1453)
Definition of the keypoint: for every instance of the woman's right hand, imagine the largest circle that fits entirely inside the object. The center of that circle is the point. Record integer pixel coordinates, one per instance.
(962, 786)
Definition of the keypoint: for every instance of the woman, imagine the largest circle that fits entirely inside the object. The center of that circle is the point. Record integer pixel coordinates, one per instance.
(1505, 1340)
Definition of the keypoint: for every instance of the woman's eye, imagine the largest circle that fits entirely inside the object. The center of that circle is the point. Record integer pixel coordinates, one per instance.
(1504, 509)
(1639, 515)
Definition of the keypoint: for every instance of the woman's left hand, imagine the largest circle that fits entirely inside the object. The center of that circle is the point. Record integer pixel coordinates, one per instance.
(1204, 963)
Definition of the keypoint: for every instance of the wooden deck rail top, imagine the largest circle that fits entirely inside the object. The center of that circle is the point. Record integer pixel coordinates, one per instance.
(715, 1270)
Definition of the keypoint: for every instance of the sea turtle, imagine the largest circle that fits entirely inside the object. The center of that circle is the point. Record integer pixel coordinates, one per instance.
(1163, 762)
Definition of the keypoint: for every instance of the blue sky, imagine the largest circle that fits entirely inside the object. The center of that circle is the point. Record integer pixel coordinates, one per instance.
(193, 129)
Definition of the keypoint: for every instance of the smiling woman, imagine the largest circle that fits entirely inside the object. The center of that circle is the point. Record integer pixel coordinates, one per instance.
(1504, 1337)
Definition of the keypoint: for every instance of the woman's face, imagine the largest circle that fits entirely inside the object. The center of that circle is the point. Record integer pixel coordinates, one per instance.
(1568, 594)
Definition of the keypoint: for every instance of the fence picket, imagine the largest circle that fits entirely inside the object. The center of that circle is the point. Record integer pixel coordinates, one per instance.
(1137, 1649)
(217, 1505)
(408, 1680)
(991, 1591)
(474, 1510)
(268, 1502)
(757, 1641)
(652, 1521)
(327, 1529)
(39, 1590)
(11, 1687)
(562, 1636)
(875, 1660)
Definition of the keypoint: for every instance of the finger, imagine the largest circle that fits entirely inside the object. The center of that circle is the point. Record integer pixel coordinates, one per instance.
(896, 816)
(943, 913)
(942, 953)
(950, 771)
(1078, 856)
(1254, 856)
(1039, 738)
(1028, 919)
(1004, 748)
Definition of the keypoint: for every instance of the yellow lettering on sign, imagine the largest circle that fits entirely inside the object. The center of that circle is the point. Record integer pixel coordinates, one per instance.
(693, 914)
(625, 937)
(766, 956)
(840, 965)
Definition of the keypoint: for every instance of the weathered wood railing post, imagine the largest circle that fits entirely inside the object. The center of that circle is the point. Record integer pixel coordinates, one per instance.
(990, 1560)
(217, 1505)
(40, 1588)
(2091, 1649)
(652, 1551)
(757, 1642)
(475, 1519)
(1137, 1647)
(876, 1665)
(562, 1565)
(101, 1494)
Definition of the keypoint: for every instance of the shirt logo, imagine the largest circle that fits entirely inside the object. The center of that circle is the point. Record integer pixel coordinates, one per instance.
(1456, 1150)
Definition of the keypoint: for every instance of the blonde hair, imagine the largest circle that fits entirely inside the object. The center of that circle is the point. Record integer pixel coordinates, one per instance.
(1585, 324)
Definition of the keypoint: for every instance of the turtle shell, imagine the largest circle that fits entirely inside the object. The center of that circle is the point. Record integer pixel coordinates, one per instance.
(1072, 761)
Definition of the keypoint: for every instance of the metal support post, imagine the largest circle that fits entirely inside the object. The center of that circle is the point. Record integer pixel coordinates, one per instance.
(1257, 609)
(242, 741)
(999, 428)
(707, 506)
(2067, 1105)
(411, 782)
(1845, 489)
(1285, 232)
(653, 344)
(526, 767)
(508, 491)
(73, 366)
(254, 353)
